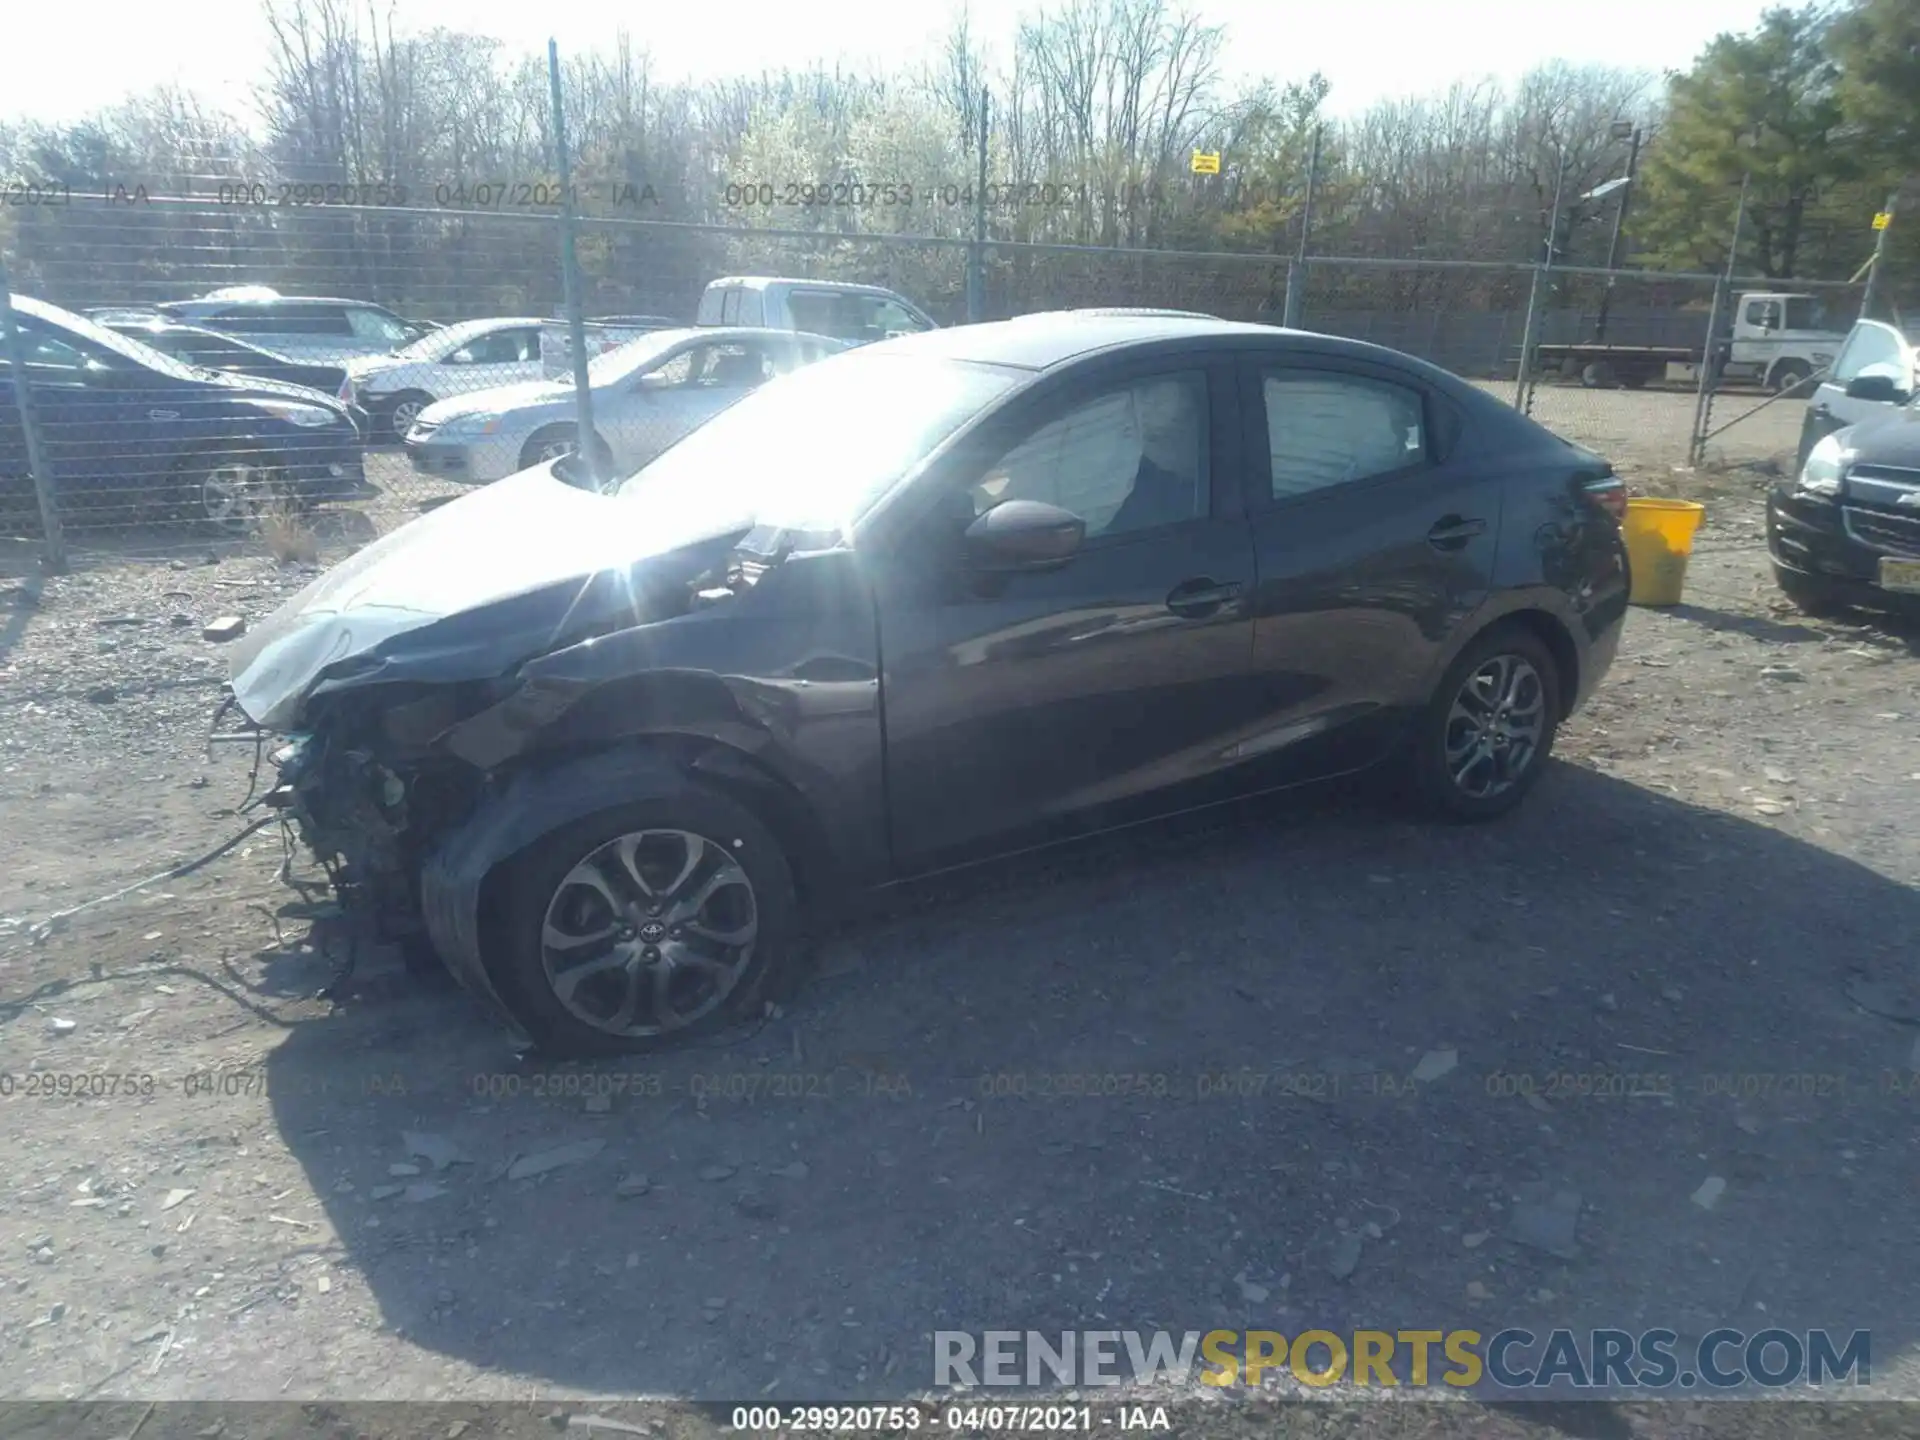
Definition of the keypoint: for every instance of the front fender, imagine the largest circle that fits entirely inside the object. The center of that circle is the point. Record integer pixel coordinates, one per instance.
(535, 802)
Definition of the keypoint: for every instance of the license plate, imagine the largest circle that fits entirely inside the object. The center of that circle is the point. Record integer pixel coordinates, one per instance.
(1902, 576)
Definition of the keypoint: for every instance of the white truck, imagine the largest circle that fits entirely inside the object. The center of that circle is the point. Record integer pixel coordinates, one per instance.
(1776, 340)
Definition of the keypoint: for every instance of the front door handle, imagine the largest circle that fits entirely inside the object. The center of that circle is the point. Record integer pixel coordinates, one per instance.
(1198, 598)
(1452, 532)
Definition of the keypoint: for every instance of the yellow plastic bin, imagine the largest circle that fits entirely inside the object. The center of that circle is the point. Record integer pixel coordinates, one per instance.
(1659, 536)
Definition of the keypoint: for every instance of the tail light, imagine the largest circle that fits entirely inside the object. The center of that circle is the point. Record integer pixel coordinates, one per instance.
(1609, 492)
(346, 390)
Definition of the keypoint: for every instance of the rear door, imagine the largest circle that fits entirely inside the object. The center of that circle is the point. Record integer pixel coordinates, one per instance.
(1373, 546)
(1872, 349)
(300, 329)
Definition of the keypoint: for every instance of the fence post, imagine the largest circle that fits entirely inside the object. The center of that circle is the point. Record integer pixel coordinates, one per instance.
(1297, 266)
(1290, 307)
(584, 433)
(55, 547)
(1536, 302)
(1879, 259)
(977, 252)
(1709, 353)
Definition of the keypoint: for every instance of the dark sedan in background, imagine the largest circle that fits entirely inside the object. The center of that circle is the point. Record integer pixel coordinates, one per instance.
(131, 433)
(214, 351)
(916, 605)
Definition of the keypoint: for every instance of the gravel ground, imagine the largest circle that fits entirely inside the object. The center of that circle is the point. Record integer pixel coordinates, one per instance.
(1714, 891)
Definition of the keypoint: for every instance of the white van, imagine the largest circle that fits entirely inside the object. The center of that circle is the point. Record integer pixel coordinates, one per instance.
(857, 314)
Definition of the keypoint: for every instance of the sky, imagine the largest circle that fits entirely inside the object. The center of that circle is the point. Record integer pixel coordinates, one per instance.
(1369, 49)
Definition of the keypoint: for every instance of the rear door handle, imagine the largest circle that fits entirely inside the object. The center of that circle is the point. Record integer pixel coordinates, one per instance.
(1451, 532)
(1201, 597)
(1822, 412)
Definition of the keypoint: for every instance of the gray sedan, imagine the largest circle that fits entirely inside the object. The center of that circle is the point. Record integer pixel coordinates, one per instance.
(646, 395)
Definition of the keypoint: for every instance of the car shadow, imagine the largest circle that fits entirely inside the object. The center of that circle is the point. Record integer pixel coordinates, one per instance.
(1160, 1082)
(1758, 627)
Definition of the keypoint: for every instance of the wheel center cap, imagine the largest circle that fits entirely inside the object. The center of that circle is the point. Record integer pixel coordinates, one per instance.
(653, 932)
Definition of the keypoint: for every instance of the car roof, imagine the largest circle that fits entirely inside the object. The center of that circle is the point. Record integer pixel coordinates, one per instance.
(761, 282)
(260, 302)
(1056, 337)
(736, 332)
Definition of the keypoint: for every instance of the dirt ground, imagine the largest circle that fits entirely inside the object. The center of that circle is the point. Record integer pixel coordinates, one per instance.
(294, 1199)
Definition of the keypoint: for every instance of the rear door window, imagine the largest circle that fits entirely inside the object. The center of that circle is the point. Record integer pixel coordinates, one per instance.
(1329, 427)
(376, 326)
(822, 312)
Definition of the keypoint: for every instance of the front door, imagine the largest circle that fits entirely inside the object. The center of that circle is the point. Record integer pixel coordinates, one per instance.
(107, 427)
(1034, 706)
(1374, 548)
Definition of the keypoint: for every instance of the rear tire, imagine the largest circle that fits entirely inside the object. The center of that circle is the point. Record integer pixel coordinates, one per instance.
(1788, 376)
(605, 954)
(1485, 735)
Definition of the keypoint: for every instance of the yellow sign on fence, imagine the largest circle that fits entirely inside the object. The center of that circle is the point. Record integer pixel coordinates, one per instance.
(1880, 221)
(1205, 163)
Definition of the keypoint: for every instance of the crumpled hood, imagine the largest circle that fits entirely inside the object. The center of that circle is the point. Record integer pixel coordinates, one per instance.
(499, 399)
(465, 592)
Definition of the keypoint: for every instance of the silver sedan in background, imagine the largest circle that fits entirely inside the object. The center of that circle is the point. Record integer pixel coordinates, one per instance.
(646, 395)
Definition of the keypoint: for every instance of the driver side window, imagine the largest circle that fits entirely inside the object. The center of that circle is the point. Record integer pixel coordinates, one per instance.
(677, 371)
(1132, 458)
(49, 353)
(1872, 348)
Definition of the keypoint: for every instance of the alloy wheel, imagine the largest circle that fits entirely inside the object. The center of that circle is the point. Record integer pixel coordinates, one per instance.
(235, 495)
(1495, 726)
(552, 450)
(403, 415)
(649, 933)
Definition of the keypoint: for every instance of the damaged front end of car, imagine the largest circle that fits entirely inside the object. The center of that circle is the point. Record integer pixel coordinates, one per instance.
(387, 728)
(368, 787)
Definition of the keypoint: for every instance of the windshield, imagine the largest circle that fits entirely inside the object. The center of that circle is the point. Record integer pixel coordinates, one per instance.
(885, 413)
(634, 356)
(106, 339)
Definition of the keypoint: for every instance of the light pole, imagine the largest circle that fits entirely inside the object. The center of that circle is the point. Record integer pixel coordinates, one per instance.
(1620, 130)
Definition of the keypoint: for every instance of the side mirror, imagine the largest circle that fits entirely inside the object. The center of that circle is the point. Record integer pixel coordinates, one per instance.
(1876, 389)
(1024, 535)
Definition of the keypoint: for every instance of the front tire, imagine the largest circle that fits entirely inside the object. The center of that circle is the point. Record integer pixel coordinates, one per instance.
(399, 413)
(230, 494)
(646, 924)
(1486, 733)
(1809, 596)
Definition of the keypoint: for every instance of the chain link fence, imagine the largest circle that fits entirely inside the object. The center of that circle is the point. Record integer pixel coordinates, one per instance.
(150, 393)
